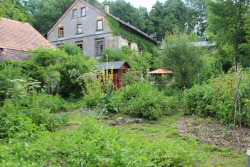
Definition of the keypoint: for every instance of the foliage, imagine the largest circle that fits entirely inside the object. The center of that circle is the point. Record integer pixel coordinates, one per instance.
(216, 99)
(142, 100)
(172, 14)
(25, 112)
(138, 62)
(11, 9)
(210, 67)
(8, 71)
(93, 93)
(143, 44)
(94, 145)
(129, 13)
(58, 71)
(226, 22)
(181, 57)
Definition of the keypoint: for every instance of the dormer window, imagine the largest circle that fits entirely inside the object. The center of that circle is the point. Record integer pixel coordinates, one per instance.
(74, 13)
(60, 32)
(83, 11)
(99, 25)
(79, 29)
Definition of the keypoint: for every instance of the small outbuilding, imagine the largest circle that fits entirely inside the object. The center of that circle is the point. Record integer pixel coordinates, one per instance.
(116, 68)
(17, 38)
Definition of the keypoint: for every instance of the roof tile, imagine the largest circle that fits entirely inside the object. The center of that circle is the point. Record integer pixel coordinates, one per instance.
(20, 36)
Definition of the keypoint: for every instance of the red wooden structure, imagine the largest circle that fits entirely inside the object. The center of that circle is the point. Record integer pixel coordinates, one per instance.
(116, 68)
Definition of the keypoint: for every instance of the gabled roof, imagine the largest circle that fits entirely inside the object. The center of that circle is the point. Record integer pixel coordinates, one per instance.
(116, 65)
(160, 71)
(20, 36)
(134, 28)
(120, 21)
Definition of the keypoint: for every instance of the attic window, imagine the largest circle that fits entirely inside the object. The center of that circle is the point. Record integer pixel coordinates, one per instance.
(83, 11)
(60, 32)
(99, 25)
(74, 13)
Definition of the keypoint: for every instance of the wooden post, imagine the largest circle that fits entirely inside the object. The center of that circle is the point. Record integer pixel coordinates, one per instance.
(248, 158)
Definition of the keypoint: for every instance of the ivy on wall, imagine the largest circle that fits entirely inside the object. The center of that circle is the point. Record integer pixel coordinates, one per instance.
(143, 44)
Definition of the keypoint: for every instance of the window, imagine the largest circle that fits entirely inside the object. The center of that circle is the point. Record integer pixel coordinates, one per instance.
(74, 13)
(79, 29)
(99, 46)
(79, 44)
(99, 25)
(60, 32)
(83, 11)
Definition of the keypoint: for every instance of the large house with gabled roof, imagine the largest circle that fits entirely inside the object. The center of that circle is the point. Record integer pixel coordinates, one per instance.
(88, 27)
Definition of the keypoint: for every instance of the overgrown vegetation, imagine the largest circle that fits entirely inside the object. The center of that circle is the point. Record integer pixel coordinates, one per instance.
(39, 96)
(143, 44)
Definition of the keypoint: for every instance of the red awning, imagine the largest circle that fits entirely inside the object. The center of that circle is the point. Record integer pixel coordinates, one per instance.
(160, 71)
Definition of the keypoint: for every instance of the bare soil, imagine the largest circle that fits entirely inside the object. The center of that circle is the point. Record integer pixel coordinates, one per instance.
(212, 132)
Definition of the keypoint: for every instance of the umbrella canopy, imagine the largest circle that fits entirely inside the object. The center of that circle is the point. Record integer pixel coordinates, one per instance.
(160, 71)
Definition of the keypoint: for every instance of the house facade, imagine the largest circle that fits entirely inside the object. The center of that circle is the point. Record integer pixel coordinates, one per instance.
(17, 38)
(86, 26)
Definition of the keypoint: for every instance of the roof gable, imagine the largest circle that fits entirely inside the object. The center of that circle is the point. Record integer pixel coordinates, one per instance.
(68, 10)
(115, 65)
(102, 12)
(20, 36)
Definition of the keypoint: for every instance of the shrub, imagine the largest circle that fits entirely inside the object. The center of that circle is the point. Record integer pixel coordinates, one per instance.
(217, 98)
(94, 145)
(142, 100)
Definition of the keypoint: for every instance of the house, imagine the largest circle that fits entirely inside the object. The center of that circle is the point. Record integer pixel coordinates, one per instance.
(88, 27)
(116, 69)
(17, 38)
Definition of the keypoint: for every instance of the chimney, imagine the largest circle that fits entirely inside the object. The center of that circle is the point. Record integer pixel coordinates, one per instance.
(106, 8)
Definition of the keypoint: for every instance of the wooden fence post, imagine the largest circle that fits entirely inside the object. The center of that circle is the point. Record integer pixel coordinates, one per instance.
(248, 158)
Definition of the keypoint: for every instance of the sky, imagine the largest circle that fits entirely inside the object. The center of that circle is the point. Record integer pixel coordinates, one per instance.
(144, 3)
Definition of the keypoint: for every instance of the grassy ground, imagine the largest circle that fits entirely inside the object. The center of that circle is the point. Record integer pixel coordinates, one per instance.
(165, 129)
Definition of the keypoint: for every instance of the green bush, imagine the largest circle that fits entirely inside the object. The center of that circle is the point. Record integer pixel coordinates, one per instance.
(142, 100)
(217, 99)
(94, 145)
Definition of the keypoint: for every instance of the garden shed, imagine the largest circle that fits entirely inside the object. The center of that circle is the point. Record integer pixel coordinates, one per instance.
(116, 68)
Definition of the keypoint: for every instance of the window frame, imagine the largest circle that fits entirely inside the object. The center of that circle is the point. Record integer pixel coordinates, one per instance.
(74, 17)
(60, 32)
(98, 24)
(77, 28)
(84, 11)
(79, 43)
(99, 49)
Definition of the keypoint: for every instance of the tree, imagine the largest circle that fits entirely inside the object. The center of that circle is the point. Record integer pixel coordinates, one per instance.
(165, 17)
(196, 16)
(182, 57)
(125, 11)
(226, 26)
(11, 9)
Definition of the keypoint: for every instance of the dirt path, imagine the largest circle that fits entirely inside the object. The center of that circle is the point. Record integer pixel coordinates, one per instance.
(214, 133)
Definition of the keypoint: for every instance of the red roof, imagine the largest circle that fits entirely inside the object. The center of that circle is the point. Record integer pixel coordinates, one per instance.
(160, 71)
(20, 36)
